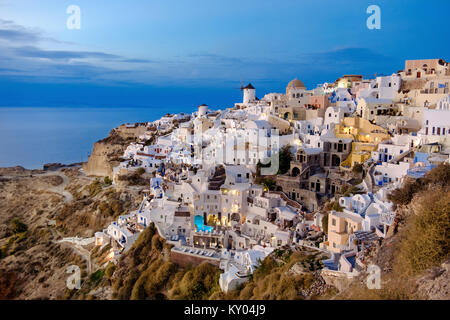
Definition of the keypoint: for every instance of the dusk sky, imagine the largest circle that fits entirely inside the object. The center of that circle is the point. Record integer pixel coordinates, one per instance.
(176, 53)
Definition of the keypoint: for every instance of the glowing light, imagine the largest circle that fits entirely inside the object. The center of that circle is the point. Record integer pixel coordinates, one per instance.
(110, 255)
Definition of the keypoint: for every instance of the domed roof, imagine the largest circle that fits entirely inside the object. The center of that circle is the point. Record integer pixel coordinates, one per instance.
(295, 84)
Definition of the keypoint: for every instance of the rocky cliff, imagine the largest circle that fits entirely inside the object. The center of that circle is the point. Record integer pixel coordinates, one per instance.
(107, 152)
(105, 156)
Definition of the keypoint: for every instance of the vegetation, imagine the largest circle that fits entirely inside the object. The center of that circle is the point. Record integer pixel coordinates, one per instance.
(96, 277)
(439, 176)
(348, 191)
(145, 272)
(109, 271)
(358, 168)
(269, 183)
(135, 178)
(94, 188)
(420, 240)
(107, 181)
(285, 158)
(424, 240)
(333, 205)
(17, 226)
(273, 280)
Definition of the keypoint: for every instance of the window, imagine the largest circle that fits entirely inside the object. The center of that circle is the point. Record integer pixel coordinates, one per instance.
(333, 222)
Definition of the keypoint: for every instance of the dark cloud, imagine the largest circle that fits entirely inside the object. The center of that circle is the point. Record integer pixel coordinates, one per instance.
(22, 57)
(15, 33)
(35, 52)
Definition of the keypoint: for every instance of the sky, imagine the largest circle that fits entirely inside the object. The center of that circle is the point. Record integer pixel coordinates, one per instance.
(166, 53)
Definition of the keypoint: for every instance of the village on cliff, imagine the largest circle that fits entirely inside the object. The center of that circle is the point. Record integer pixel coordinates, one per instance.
(231, 186)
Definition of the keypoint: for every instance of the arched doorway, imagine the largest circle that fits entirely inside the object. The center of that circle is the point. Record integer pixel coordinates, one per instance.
(235, 217)
(295, 171)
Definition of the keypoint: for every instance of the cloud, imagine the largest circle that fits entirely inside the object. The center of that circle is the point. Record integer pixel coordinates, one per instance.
(15, 33)
(215, 58)
(35, 52)
(346, 55)
(25, 53)
(137, 61)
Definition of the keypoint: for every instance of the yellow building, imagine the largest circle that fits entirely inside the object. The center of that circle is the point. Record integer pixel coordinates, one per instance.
(340, 226)
(347, 80)
(365, 135)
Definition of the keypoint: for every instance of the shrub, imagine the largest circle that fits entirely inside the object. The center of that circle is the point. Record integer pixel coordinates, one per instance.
(109, 271)
(333, 205)
(94, 188)
(425, 242)
(96, 277)
(269, 183)
(439, 175)
(107, 181)
(404, 194)
(105, 209)
(17, 226)
(157, 243)
(285, 158)
(264, 267)
(357, 168)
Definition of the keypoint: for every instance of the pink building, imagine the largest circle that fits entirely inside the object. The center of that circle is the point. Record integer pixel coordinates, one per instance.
(319, 102)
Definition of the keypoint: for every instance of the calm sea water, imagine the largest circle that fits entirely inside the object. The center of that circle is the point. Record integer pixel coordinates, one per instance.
(30, 137)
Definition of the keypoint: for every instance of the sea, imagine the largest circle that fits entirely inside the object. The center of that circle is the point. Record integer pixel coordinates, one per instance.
(33, 136)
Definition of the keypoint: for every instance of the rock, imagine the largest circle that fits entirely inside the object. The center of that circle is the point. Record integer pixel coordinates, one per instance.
(435, 285)
(100, 162)
(52, 166)
(298, 269)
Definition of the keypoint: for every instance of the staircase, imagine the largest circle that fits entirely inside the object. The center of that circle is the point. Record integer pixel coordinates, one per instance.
(290, 202)
(217, 179)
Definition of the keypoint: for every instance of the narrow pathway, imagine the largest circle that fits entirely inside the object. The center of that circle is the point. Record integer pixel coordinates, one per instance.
(60, 188)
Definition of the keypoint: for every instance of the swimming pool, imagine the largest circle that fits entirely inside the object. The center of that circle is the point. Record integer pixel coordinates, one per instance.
(198, 220)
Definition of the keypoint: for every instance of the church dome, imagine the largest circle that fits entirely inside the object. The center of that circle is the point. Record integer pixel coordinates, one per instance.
(296, 84)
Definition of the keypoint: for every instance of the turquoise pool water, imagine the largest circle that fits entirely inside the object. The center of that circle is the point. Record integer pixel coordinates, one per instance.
(198, 220)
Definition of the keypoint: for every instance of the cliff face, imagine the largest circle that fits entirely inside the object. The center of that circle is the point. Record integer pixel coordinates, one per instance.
(107, 152)
(104, 157)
